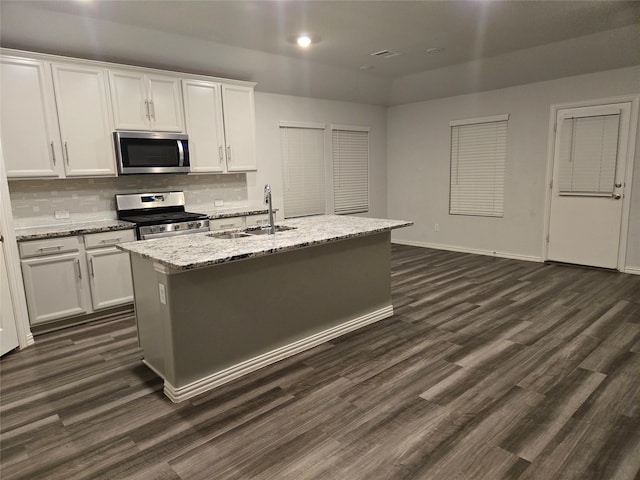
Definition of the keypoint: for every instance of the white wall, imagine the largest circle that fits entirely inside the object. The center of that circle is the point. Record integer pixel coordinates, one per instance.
(273, 108)
(418, 164)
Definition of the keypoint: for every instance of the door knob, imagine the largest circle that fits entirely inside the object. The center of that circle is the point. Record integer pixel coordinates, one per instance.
(618, 185)
(616, 196)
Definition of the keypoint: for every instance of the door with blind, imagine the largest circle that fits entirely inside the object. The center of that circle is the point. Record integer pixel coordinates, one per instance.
(588, 185)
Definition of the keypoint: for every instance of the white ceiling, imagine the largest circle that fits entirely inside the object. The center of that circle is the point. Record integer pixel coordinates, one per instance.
(486, 44)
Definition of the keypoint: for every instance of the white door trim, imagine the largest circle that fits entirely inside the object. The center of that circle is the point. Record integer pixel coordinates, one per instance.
(10, 247)
(631, 149)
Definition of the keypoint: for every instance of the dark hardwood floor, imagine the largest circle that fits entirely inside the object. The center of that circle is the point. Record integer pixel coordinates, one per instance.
(490, 369)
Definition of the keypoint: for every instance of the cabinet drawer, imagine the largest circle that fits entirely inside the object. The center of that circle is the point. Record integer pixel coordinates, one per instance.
(227, 223)
(257, 220)
(104, 239)
(49, 246)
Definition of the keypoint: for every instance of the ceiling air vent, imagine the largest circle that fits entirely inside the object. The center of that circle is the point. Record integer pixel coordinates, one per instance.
(385, 54)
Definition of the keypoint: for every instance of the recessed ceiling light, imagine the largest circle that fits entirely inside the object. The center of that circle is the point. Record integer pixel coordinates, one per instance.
(434, 50)
(304, 40)
(366, 67)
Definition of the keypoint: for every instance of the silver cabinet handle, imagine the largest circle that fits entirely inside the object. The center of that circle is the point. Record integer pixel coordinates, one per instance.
(47, 249)
(228, 225)
(53, 153)
(153, 109)
(146, 107)
(78, 267)
(111, 241)
(220, 153)
(66, 150)
(229, 153)
(91, 266)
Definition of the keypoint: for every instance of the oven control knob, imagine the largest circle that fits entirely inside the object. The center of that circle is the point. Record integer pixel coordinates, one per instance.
(176, 227)
(195, 224)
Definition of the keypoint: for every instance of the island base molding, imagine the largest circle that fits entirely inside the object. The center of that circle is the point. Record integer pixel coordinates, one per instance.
(227, 375)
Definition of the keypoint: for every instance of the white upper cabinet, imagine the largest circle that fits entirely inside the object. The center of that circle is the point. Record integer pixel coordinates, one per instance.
(84, 117)
(203, 116)
(220, 123)
(239, 127)
(143, 101)
(29, 126)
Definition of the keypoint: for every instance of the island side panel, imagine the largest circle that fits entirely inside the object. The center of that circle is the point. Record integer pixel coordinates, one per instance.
(152, 317)
(226, 314)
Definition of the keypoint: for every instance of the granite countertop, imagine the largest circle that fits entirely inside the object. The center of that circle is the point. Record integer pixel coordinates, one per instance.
(69, 229)
(199, 250)
(94, 226)
(232, 212)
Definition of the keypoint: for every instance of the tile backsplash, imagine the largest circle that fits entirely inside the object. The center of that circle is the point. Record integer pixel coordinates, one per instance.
(34, 202)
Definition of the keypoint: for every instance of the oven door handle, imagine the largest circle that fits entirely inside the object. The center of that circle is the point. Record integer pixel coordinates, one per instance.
(180, 153)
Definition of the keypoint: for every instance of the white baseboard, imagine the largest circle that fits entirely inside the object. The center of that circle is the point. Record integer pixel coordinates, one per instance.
(178, 394)
(30, 340)
(632, 270)
(455, 248)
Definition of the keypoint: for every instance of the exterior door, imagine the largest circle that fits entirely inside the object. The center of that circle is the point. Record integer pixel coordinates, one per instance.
(588, 185)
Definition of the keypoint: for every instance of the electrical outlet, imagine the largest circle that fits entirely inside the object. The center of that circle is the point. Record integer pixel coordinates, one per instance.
(163, 293)
(61, 214)
(436, 227)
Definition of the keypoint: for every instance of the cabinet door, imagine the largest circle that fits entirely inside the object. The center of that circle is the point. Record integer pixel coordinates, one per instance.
(54, 287)
(239, 127)
(129, 99)
(29, 126)
(165, 104)
(84, 116)
(203, 112)
(110, 277)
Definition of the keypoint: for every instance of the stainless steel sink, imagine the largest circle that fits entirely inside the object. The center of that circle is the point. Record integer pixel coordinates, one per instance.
(248, 232)
(228, 235)
(265, 231)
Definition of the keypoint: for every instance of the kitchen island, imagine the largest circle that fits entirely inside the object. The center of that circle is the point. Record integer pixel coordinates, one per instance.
(210, 309)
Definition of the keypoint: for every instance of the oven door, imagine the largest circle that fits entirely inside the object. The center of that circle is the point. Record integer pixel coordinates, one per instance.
(151, 152)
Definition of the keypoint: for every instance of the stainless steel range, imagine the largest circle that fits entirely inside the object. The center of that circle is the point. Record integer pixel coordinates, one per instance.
(160, 214)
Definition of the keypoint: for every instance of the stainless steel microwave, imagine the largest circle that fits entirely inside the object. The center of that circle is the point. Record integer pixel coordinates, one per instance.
(151, 152)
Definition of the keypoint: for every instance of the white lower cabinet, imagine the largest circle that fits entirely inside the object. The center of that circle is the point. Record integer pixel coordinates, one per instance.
(55, 287)
(109, 277)
(70, 276)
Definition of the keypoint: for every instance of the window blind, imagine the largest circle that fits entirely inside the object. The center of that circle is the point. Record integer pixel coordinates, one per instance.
(303, 171)
(350, 170)
(588, 155)
(478, 155)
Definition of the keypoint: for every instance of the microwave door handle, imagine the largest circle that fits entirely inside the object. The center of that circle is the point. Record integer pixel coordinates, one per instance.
(180, 153)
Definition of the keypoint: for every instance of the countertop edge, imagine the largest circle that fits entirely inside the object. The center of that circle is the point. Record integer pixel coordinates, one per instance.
(178, 268)
(70, 230)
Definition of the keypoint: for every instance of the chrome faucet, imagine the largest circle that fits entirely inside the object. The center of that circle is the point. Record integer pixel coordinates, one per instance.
(267, 200)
